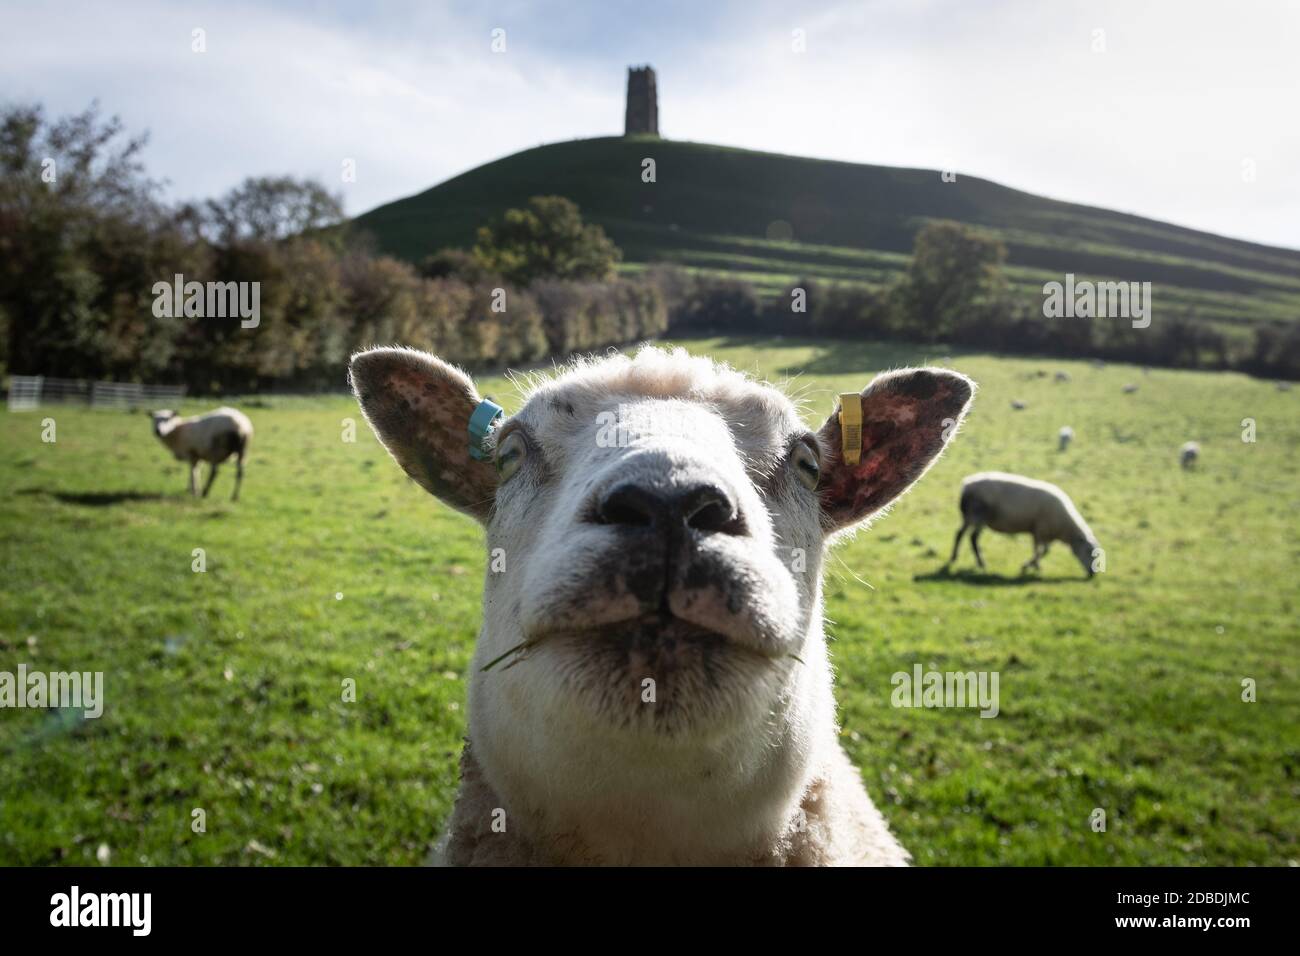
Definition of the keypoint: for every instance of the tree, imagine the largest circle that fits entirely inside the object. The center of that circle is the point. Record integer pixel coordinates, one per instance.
(452, 264)
(85, 239)
(83, 236)
(268, 208)
(955, 277)
(546, 240)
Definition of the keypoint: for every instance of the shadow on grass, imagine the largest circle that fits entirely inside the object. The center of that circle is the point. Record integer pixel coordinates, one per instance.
(984, 579)
(97, 499)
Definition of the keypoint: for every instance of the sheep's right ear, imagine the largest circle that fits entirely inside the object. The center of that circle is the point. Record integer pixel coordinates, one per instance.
(420, 406)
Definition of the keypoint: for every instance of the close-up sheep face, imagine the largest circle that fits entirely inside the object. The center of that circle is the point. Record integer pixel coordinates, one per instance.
(655, 528)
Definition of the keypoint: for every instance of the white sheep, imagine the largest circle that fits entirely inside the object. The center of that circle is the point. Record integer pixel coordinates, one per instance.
(1064, 437)
(1062, 376)
(1130, 388)
(213, 438)
(1018, 405)
(1014, 504)
(1189, 454)
(651, 683)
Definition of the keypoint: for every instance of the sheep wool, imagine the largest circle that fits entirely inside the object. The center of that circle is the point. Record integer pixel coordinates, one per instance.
(213, 438)
(651, 683)
(1014, 504)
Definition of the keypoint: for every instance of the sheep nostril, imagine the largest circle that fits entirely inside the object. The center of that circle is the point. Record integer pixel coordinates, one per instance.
(709, 508)
(699, 507)
(629, 504)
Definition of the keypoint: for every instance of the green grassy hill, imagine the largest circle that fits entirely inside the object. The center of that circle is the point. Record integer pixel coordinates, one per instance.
(774, 218)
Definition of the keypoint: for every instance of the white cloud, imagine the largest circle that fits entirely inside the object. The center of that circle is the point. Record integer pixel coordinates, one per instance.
(277, 94)
(1159, 124)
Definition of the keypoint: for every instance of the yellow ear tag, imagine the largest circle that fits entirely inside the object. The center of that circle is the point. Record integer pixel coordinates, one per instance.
(851, 427)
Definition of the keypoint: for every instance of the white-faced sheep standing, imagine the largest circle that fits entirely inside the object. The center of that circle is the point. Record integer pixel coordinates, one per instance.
(213, 438)
(651, 683)
(1013, 504)
(1189, 454)
(1064, 437)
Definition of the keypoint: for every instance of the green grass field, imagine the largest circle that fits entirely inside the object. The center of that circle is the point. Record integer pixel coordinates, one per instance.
(224, 688)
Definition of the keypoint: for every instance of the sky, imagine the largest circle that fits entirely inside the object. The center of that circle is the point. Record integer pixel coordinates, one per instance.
(1187, 111)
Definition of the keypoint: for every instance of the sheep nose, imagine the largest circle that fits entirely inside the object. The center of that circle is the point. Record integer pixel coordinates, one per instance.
(702, 506)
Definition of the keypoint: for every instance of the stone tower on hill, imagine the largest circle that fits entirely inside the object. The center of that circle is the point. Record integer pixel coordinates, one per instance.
(642, 102)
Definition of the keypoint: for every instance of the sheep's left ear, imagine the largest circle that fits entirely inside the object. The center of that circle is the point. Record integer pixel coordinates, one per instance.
(908, 416)
(420, 407)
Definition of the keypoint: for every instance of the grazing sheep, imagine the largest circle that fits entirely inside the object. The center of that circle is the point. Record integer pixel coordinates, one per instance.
(1018, 405)
(213, 438)
(1189, 454)
(1064, 437)
(1013, 504)
(1130, 388)
(1062, 376)
(651, 682)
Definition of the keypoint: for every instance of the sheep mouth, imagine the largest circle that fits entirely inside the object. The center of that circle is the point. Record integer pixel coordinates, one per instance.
(659, 633)
(660, 640)
(722, 592)
(657, 673)
(658, 630)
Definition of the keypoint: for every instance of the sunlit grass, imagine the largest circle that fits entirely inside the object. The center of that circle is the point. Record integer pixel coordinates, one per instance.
(224, 688)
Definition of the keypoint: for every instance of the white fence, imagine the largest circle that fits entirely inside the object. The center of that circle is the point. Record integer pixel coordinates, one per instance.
(31, 391)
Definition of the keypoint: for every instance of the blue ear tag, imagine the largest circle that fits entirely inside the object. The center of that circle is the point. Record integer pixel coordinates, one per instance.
(481, 423)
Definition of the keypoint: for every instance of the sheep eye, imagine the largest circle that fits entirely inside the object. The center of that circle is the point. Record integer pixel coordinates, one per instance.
(806, 466)
(510, 454)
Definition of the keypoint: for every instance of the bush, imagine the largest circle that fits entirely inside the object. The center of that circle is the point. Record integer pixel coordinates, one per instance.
(582, 316)
(452, 264)
(718, 305)
(80, 255)
(547, 240)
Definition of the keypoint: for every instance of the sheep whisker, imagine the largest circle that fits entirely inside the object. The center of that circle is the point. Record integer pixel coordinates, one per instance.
(497, 660)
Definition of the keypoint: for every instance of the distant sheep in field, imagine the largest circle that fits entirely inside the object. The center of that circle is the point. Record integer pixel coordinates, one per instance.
(1064, 437)
(1018, 405)
(213, 438)
(1130, 388)
(1062, 376)
(664, 691)
(1189, 454)
(1013, 504)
